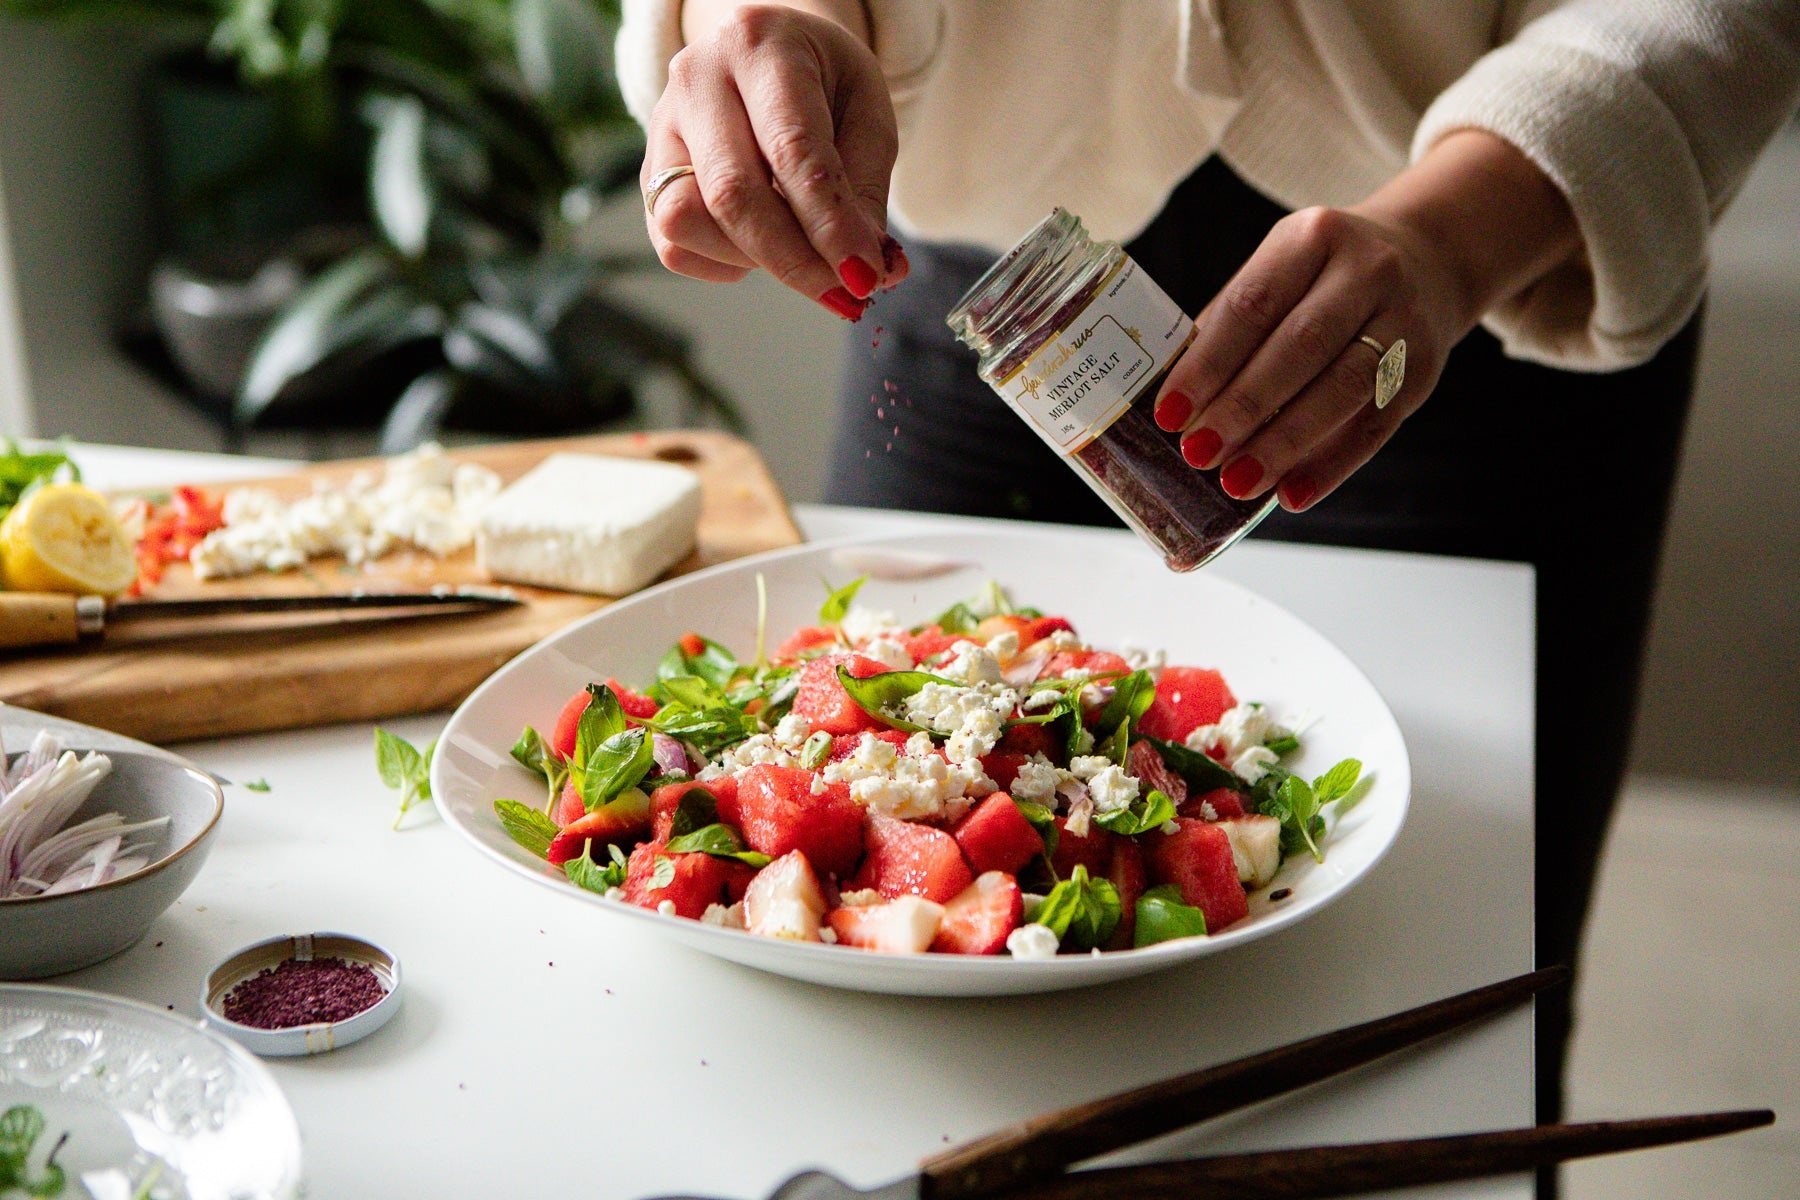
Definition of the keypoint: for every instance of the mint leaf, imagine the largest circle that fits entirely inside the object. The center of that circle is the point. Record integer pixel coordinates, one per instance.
(1283, 745)
(257, 785)
(1301, 809)
(837, 603)
(816, 750)
(1336, 783)
(662, 874)
(720, 841)
(959, 618)
(696, 809)
(403, 768)
(585, 873)
(20, 1128)
(1145, 813)
(1201, 773)
(619, 762)
(526, 826)
(714, 663)
(876, 694)
(1163, 916)
(1082, 912)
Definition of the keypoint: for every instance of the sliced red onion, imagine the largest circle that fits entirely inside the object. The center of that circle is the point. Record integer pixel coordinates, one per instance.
(671, 756)
(1026, 667)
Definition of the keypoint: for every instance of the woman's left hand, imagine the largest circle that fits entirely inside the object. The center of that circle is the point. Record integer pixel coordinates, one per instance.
(1277, 386)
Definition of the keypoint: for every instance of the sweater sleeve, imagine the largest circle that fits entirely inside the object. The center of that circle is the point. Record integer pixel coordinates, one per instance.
(1648, 115)
(906, 33)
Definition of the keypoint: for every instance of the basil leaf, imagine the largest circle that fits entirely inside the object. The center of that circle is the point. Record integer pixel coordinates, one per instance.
(1336, 783)
(1041, 819)
(531, 753)
(837, 602)
(396, 759)
(1201, 773)
(1083, 912)
(816, 750)
(1145, 813)
(714, 663)
(601, 719)
(1284, 745)
(662, 874)
(696, 809)
(584, 872)
(257, 785)
(619, 762)
(957, 619)
(1162, 916)
(694, 692)
(20, 1128)
(706, 730)
(720, 841)
(526, 826)
(1131, 699)
(877, 693)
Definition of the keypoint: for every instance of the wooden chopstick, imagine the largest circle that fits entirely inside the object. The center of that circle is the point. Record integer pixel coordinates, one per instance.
(1318, 1171)
(1040, 1148)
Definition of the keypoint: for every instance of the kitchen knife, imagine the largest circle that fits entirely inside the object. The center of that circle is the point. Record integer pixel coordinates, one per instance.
(50, 618)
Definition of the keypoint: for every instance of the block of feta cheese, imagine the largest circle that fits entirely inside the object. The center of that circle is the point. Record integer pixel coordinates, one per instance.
(584, 523)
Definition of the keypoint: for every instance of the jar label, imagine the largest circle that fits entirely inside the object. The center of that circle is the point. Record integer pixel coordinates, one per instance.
(1084, 378)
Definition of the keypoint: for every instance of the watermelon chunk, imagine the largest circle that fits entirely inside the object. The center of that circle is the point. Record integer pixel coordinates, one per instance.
(1094, 662)
(664, 801)
(1197, 859)
(822, 700)
(1143, 761)
(698, 880)
(1093, 851)
(1028, 740)
(779, 812)
(1186, 698)
(907, 859)
(803, 639)
(1225, 803)
(995, 836)
(1002, 766)
(1128, 875)
(977, 919)
(930, 642)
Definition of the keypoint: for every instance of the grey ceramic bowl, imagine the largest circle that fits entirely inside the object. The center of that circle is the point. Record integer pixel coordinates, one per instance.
(51, 935)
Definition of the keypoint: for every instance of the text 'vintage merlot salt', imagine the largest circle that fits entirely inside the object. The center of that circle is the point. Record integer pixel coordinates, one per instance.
(1077, 339)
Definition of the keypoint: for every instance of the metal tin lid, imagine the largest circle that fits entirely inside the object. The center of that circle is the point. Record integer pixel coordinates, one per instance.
(318, 1037)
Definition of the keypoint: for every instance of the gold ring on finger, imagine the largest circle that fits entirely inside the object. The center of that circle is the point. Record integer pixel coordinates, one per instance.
(659, 182)
(1390, 369)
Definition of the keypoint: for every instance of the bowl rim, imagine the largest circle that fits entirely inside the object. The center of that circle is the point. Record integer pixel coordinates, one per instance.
(175, 855)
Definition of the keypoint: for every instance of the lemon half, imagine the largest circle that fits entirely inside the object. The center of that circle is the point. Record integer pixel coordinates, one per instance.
(64, 538)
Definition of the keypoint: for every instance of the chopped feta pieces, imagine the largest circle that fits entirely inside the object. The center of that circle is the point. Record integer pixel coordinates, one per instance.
(586, 523)
(1112, 790)
(792, 731)
(1036, 780)
(910, 785)
(1004, 645)
(889, 653)
(971, 664)
(1032, 941)
(864, 624)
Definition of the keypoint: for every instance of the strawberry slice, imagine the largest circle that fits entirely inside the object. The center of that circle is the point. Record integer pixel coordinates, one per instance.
(978, 919)
(622, 819)
(903, 926)
(785, 900)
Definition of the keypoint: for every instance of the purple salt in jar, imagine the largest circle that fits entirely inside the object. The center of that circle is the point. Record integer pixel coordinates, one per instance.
(1076, 338)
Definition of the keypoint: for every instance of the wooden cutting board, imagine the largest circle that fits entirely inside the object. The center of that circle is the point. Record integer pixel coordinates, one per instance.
(170, 683)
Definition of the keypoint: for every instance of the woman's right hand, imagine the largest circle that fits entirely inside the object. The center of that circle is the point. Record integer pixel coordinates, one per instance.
(786, 120)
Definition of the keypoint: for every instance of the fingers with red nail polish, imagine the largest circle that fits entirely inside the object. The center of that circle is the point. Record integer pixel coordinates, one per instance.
(1240, 477)
(1174, 411)
(844, 304)
(1297, 492)
(859, 277)
(1200, 447)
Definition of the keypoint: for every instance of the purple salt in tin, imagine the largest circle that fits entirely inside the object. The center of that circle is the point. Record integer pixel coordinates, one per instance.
(304, 993)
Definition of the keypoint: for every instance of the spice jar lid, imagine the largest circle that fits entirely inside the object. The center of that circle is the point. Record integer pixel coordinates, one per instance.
(261, 961)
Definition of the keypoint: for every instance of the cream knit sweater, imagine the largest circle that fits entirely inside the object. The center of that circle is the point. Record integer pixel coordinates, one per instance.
(1648, 114)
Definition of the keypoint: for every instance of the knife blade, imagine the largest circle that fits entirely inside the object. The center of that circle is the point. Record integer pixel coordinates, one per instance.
(49, 618)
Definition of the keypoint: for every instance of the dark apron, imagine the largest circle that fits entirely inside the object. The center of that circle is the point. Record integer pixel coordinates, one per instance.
(1569, 472)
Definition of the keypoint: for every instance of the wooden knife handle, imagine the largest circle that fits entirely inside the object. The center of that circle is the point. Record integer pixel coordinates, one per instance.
(38, 619)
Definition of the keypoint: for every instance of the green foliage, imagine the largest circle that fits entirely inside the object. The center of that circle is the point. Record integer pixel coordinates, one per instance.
(526, 826)
(404, 768)
(20, 1128)
(837, 600)
(20, 471)
(1082, 912)
(1162, 916)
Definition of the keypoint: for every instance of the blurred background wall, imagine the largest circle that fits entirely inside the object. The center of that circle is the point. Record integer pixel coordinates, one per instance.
(1722, 695)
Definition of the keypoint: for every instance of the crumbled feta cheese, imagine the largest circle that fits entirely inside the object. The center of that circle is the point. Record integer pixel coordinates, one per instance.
(977, 735)
(422, 501)
(944, 707)
(1078, 674)
(666, 908)
(1042, 698)
(1032, 941)
(1063, 639)
(792, 731)
(1085, 766)
(971, 664)
(1253, 763)
(828, 935)
(613, 893)
(920, 745)
(757, 750)
(1237, 730)
(1081, 809)
(889, 653)
(1036, 780)
(863, 624)
(872, 757)
(922, 787)
(1208, 812)
(1140, 659)
(1112, 790)
(1004, 645)
(726, 917)
(1169, 826)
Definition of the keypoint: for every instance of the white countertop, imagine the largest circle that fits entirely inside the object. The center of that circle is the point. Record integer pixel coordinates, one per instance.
(543, 1049)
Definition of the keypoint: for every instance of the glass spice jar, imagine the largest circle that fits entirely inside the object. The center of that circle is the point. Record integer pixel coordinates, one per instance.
(1077, 339)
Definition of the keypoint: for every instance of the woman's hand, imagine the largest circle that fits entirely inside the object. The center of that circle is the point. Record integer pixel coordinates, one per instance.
(1277, 385)
(784, 117)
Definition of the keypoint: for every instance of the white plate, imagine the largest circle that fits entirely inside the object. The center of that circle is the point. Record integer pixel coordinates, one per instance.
(144, 1095)
(1113, 590)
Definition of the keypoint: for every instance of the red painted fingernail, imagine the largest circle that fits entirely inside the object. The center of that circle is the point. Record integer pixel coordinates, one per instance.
(1298, 491)
(1240, 476)
(1201, 447)
(844, 304)
(858, 276)
(1173, 411)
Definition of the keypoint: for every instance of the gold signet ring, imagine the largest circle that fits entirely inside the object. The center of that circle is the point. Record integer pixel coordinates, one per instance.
(1390, 371)
(659, 182)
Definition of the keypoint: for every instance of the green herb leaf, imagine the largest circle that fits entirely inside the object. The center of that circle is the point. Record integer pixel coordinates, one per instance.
(257, 785)
(837, 602)
(816, 750)
(1297, 808)
(403, 768)
(1041, 819)
(662, 873)
(22, 471)
(1131, 699)
(20, 1128)
(959, 618)
(1145, 813)
(584, 872)
(694, 692)
(531, 753)
(1201, 773)
(696, 809)
(1336, 783)
(619, 762)
(1162, 916)
(1083, 912)
(714, 663)
(526, 826)
(720, 841)
(876, 694)
(706, 730)
(1282, 745)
